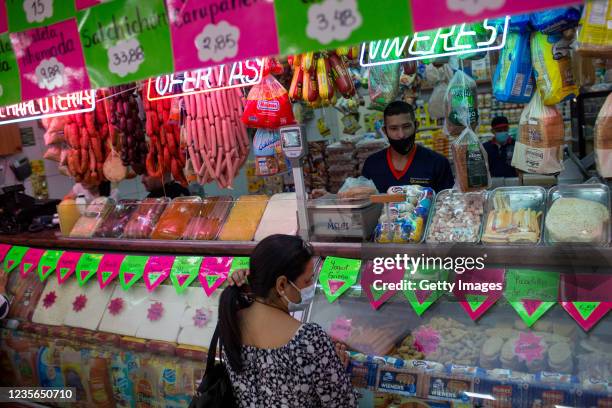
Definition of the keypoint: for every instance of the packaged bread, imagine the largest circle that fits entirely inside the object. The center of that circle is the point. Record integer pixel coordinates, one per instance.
(357, 189)
(94, 214)
(244, 218)
(145, 217)
(176, 217)
(471, 163)
(594, 34)
(603, 139)
(539, 148)
(461, 104)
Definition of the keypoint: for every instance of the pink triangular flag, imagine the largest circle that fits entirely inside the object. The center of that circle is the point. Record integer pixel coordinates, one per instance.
(334, 285)
(531, 305)
(181, 278)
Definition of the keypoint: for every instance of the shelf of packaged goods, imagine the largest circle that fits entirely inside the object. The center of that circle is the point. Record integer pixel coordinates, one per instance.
(567, 256)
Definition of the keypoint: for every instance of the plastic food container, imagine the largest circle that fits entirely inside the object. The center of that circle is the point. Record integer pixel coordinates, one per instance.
(94, 214)
(145, 217)
(578, 213)
(117, 219)
(69, 213)
(244, 218)
(173, 222)
(207, 224)
(515, 216)
(457, 217)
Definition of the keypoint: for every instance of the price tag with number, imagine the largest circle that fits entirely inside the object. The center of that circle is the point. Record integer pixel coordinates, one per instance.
(26, 14)
(10, 85)
(220, 36)
(320, 24)
(130, 55)
(61, 67)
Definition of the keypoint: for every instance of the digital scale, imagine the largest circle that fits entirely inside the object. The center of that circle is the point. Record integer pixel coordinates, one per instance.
(295, 147)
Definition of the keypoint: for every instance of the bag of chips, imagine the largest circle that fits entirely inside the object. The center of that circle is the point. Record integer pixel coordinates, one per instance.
(513, 81)
(555, 20)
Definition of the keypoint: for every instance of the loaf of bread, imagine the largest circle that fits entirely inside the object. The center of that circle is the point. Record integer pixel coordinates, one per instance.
(577, 220)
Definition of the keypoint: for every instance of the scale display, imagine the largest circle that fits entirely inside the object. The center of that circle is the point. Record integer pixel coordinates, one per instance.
(292, 142)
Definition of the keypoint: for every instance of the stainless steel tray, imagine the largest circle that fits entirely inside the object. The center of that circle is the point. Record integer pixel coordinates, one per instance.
(432, 213)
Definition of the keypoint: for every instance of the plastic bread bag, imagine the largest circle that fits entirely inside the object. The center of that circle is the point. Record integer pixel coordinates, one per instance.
(556, 20)
(268, 105)
(383, 83)
(513, 81)
(539, 148)
(471, 162)
(263, 146)
(595, 33)
(460, 104)
(436, 101)
(603, 139)
(550, 55)
(357, 189)
(469, 37)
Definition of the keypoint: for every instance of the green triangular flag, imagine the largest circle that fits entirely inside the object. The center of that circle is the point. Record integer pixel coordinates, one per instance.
(131, 269)
(475, 301)
(87, 267)
(106, 275)
(48, 263)
(530, 315)
(13, 257)
(239, 263)
(338, 275)
(420, 299)
(211, 279)
(377, 293)
(586, 308)
(184, 271)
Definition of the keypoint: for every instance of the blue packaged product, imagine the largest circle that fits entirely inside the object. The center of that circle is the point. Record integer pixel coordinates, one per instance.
(550, 389)
(398, 381)
(49, 371)
(514, 80)
(363, 374)
(508, 388)
(555, 21)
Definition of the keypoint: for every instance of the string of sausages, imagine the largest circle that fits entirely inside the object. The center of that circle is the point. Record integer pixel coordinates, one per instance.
(217, 140)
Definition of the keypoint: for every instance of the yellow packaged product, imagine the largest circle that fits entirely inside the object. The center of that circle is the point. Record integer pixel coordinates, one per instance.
(244, 218)
(595, 32)
(550, 55)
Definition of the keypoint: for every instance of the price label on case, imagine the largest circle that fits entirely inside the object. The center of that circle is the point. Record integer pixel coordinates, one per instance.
(125, 57)
(333, 20)
(50, 74)
(38, 10)
(218, 42)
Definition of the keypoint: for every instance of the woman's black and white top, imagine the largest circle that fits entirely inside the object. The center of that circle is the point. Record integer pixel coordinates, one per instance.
(4, 305)
(306, 373)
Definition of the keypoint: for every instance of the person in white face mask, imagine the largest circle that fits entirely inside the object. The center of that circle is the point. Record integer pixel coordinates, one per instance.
(272, 359)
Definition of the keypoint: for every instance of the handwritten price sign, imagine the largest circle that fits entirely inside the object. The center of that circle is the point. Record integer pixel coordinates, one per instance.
(50, 74)
(218, 42)
(333, 20)
(125, 57)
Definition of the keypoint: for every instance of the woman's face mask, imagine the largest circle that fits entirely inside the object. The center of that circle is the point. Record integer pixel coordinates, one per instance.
(306, 296)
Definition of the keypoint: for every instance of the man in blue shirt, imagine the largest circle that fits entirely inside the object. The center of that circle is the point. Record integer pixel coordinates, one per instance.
(500, 149)
(404, 162)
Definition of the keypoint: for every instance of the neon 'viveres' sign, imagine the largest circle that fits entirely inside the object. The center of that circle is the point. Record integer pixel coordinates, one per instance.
(444, 42)
(57, 105)
(236, 75)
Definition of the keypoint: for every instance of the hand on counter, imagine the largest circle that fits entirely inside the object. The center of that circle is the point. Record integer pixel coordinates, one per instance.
(238, 278)
(342, 352)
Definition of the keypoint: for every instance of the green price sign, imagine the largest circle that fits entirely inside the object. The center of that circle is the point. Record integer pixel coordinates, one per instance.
(338, 275)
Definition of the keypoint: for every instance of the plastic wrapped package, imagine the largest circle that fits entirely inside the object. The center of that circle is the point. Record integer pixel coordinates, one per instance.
(383, 85)
(514, 81)
(555, 20)
(145, 217)
(91, 309)
(436, 101)
(280, 216)
(357, 189)
(198, 322)
(269, 156)
(117, 219)
(54, 302)
(206, 225)
(539, 148)
(405, 221)
(244, 218)
(457, 217)
(125, 310)
(471, 163)
(603, 139)
(94, 215)
(595, 33)
(268, 105)
(461, 104)
(164, 324)
(550, 55)
(176, 217)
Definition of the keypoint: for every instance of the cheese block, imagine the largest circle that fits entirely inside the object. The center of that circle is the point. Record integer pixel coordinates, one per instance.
(55, 301)
(244, 218)
(89, 312)
(125, 311)
(577, 220)
(163, 309)
(200, 317)
(280, 216)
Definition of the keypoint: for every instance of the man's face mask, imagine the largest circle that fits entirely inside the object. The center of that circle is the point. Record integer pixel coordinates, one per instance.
(502, 137)
(400, 131)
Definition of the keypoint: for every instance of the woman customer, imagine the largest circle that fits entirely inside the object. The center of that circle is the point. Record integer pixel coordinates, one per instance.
(272, 359)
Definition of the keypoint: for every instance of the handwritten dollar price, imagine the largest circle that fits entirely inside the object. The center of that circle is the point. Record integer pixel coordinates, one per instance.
(333, 20)
(37, 10)
(50, 74)
(125, 57)
(218, 42)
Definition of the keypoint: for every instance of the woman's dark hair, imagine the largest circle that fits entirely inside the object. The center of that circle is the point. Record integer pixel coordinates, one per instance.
(275, 256)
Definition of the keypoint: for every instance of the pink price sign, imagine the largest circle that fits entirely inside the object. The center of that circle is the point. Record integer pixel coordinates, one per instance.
(450, 12)
(67, 265)
(374, 285)
(157, 270)
(213, 272)
(3, 18)
(30, 261)
(50, 60)
(109, 269)
(212, 32)
(4, 248)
